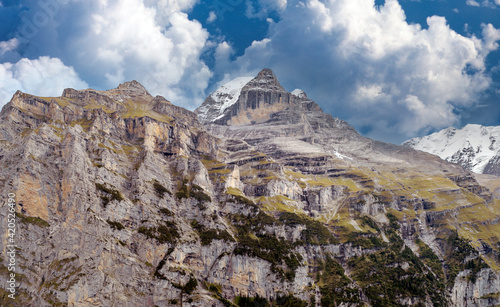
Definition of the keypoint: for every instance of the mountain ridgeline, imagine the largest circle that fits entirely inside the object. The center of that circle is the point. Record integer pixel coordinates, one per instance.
(258, 198)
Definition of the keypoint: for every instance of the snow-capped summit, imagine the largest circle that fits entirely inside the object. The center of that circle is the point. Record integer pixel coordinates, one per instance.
(299, 93)
(247, 100)
(475, 147)
(225, 96)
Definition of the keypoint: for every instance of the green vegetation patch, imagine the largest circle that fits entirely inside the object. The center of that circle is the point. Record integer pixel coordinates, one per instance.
(208, 235)
(315, 233)
(135, 110)
(84, 123)
(160, 189)
(194, 191)
(396, 273)
(65, 274)
(368, 221)
(335, 285)
(109, 194)
(245, 301)
(277, 203)
(287, 300)
(254, 242)
(189, 287)
(216, 292)
(164, 233)
(367, 241)
(166, 212)
(430, 259)
(34, 220)
(236, 196)
(115, 225)
(22, 298)
(458, 249)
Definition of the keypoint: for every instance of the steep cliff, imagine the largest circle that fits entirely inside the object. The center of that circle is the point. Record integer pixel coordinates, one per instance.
(124, 199)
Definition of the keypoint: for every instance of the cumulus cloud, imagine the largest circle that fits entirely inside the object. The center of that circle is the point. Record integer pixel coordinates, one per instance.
(368, 65)
(44, 76)
(159, 46)
(109, 42)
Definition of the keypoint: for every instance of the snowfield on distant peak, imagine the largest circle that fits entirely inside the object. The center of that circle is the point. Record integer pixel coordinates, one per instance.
(473, 146)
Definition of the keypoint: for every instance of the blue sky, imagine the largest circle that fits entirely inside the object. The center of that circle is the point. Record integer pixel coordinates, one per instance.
(392, 69)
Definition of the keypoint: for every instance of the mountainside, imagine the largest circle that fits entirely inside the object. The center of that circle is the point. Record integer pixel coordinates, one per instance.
(475, 147)
(124, 199)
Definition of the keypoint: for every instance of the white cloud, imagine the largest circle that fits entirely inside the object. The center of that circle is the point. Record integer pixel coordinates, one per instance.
(490, 38)
(8, 46)
(211, 17)
(485, 3)
(44, 76)
(156, 45)
(164, 9)
(472, 3)
(223, 53)
(151, 41)
(368, 65)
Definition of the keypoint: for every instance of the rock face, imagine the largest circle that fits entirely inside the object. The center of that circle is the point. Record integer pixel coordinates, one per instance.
(126, 199)
(474, 147)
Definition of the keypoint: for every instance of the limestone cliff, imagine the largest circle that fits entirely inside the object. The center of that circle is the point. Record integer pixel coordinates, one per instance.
(124, 199)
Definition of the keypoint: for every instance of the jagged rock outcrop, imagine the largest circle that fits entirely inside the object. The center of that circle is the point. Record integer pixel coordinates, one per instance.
(126, 199)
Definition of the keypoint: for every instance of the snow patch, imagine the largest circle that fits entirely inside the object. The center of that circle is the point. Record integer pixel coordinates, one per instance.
(299, 93)
(477, 142)
(341, 156)
(227, 94)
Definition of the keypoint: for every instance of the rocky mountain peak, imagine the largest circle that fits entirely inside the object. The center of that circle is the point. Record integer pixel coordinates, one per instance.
(133, 86)
(265, 80)
(246, 100)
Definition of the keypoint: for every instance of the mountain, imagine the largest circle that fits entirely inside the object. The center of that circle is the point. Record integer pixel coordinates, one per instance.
(275, 121)
(474, 147)
(249, 100)
(263, 199)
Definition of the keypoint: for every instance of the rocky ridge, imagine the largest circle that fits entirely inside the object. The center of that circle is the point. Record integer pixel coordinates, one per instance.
(126, 199)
